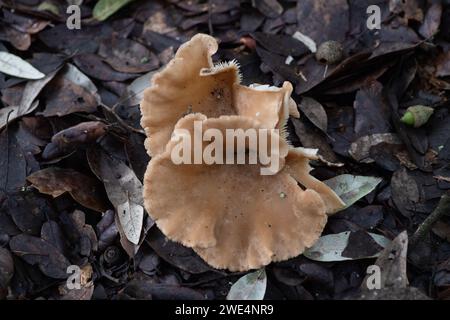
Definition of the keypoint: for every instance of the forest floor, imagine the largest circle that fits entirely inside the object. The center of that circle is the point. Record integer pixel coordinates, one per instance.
(70, 129)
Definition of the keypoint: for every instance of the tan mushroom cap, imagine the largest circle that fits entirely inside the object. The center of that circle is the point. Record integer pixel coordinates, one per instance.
(231, 215)
(192, 83)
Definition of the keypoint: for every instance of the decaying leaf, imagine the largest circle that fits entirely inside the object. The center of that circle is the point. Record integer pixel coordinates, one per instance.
(332, 247)
(56, 181)
(252, 286)
(351, 188)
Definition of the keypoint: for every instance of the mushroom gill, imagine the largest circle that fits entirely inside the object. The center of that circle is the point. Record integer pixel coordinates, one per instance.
(192, 83)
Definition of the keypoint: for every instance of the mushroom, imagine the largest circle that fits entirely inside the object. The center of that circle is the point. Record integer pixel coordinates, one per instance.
(231, 215)
(192, 83)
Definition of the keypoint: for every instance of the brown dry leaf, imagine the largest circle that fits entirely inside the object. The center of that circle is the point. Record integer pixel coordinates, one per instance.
(57, 181)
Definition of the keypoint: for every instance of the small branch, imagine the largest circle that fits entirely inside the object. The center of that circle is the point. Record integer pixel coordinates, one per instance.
(442, 208)
(120, 120)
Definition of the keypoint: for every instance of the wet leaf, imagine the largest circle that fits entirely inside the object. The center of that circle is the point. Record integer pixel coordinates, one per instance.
(351, 188)
(57, 181)
(17, 67)
(331, 247)
(105, 8)
(37, 251)
(252, 286)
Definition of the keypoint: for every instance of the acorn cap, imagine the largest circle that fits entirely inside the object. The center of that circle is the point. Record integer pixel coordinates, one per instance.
(417, 116)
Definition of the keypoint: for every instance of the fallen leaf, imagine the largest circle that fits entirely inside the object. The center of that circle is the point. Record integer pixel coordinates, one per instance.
(323, 20)
(6, 271)
(314, 111)
(123, 188)
(35, 250)
(17, 67)
(57, 181)
(128, 56)
(432, 21)
(372, 113)
(351, 188)
(27, 102)
(67, 140)
(13, 163)
(392, 263)
(269, 8)
(280, 44)
(93, 65)
(405, 191)
(176, 254)
(65, 97)
(105, 8)
(331, 247)
(135, 91)
(360, 149)
(131, 217)
(252, 286)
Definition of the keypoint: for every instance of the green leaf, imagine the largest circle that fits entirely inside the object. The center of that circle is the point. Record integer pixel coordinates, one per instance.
(105, 8)
(48, 6)
(252, 286)
(330, 247)
(351, 188)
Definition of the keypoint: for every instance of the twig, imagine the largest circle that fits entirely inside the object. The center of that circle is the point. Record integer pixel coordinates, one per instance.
(442, 208)
(120, 120)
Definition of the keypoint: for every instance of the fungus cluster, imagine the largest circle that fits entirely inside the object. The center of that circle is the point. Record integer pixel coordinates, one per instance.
(231, 215)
